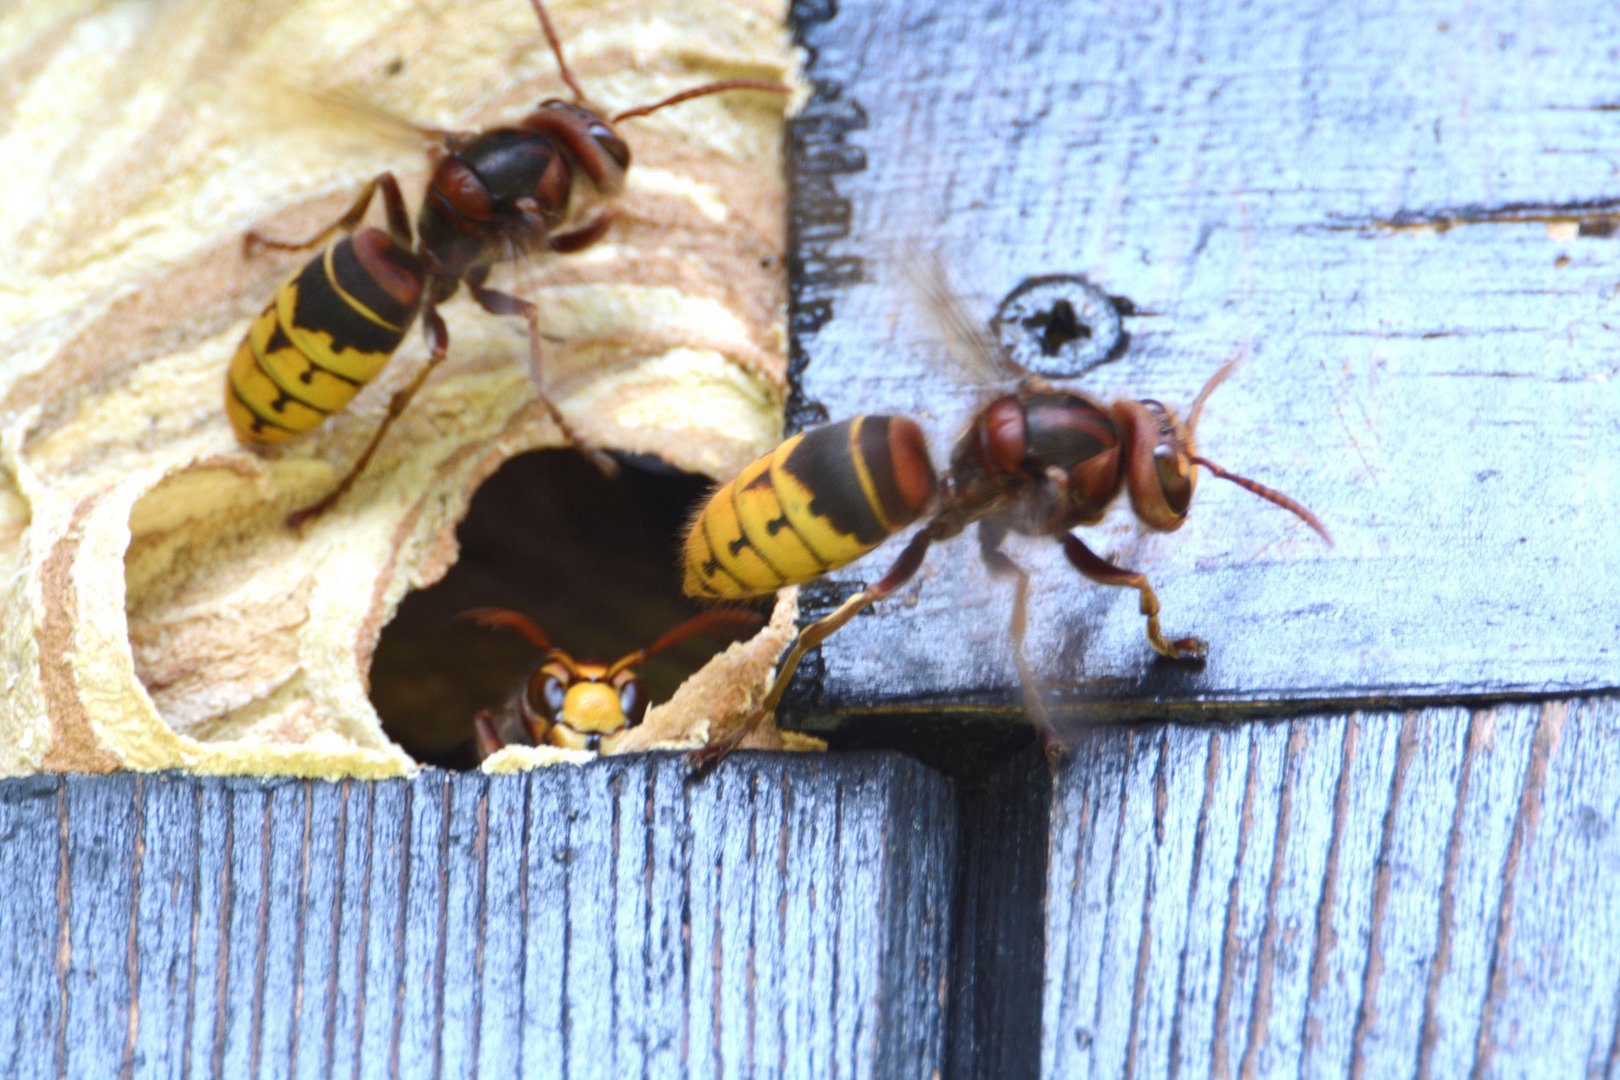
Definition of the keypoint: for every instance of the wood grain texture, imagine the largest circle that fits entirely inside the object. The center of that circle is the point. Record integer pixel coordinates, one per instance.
(1397, 214)
(1420, 894)
(1375, 894)
(789, 917)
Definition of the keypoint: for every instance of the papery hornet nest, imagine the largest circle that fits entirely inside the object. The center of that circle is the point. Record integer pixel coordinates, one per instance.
(159, 613)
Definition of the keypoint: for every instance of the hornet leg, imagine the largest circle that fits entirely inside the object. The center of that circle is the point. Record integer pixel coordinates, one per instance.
(499, 303)
(584, 236)
(484, 735)
(811, 636)
(399, 222)
(991, 534)
(1103, 572)
(438, 343)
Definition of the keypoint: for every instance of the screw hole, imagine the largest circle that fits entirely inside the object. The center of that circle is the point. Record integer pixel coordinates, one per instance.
(1061, 325)
(1056, 327)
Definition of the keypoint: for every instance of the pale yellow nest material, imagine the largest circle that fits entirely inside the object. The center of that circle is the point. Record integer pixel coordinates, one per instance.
(158, 614)
(709, 705)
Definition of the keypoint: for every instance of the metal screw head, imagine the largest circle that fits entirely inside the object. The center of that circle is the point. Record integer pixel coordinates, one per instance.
(1060, 325)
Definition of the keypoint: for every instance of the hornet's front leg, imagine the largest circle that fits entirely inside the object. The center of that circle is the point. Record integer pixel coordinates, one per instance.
(584, 236)
(901, 572)
(1103, 572)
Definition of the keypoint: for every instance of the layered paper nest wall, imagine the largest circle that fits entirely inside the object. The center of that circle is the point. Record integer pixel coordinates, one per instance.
(158, 612)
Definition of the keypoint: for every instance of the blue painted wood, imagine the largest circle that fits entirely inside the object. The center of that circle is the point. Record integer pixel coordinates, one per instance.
(245, 931)
(1406, 899)
(665, 854)
(379, 982)
(32, 846)
(317, 955)
(1344, 914)
(1553, 931)
(277, 973)
(1401, 894)
(792, 917)
(210, 921)
(1254, 176)
(350, 923)
(1416, 894)
(499, 1034)
(546, 897)
(423, 940)
(99, 906)
(458, 1032)
(1301, 848)
(166, 903)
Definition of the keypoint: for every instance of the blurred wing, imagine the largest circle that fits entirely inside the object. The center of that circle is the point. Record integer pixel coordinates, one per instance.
(346, 109)
(268, 99)
(969, 343)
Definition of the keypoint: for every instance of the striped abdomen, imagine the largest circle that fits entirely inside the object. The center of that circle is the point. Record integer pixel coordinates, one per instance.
(326, 333)
(821, 499)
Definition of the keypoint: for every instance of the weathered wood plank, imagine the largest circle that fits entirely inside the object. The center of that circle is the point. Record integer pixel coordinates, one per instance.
(544, 1023)
(1300, 849)
(1555, 929)
(424, 936)
(346, 1001)
(790, 917)
(498, 1036)
(322, 861)
(163, 924)
(245, 943)
(1392, 894)
(210, 921)
(100, 981)
(380, 982)
(33, 933)
(1409, 894)
(457, 1035)
(1256, 178)
(1344, 912)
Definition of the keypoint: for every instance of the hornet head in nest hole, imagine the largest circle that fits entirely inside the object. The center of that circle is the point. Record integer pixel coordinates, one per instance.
(579, 705)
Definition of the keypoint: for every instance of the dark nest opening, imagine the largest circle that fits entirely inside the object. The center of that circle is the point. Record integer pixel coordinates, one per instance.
(594, 560)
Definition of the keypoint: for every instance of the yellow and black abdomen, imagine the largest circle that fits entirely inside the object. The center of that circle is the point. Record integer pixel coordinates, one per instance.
(820, 500)
(326, 334)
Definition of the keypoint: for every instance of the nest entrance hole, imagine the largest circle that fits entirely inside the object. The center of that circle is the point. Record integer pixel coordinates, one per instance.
(592, 559)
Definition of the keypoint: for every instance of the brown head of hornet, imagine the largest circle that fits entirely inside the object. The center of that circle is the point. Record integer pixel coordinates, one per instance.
(1039, 461)
(544, 184)
(583, 705)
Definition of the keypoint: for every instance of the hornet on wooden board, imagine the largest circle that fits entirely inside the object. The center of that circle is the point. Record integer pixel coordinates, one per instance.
(547, 183)
(587, 706)
(1038, 461)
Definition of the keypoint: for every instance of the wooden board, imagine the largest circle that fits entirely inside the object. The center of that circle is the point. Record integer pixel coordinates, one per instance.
(1419, 894)
(1416, 894)
(1397, 215)
(784, 918)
